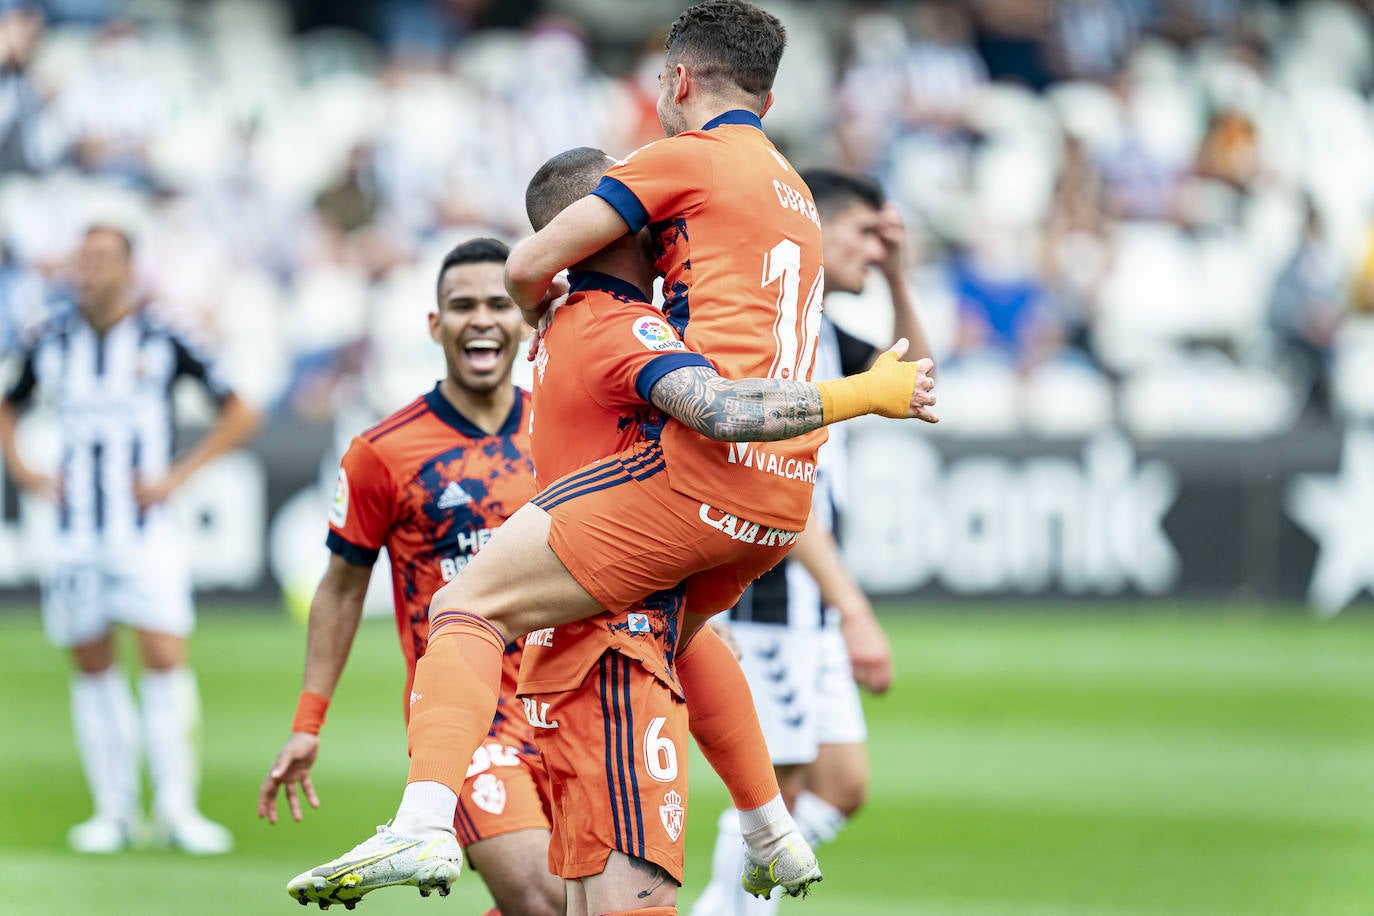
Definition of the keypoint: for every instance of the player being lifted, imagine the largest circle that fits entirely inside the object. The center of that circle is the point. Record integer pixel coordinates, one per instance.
(107, 365)
(677, 508)
(430, 483)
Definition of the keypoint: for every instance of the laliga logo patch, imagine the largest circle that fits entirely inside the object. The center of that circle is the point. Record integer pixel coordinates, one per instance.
(639, 624)
(671, 813)
(338, 511)
(489, 793)
(657, 335)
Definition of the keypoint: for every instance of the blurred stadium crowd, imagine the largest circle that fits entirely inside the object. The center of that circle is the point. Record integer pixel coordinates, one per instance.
(1156, 215)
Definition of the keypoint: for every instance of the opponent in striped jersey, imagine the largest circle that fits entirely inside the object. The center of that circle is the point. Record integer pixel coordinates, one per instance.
(431, 483)
(106, 367)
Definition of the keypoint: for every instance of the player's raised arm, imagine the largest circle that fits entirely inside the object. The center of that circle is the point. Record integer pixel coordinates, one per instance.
(766, 410)
(583, 229)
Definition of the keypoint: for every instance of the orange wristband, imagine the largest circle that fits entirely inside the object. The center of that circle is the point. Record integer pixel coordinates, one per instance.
(309, 712)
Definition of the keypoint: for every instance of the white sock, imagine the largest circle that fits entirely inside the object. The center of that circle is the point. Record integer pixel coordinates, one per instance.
(819, 821)
(723, 895)
(106, 726)
(425, 808)
(765, 825)
(171, 733)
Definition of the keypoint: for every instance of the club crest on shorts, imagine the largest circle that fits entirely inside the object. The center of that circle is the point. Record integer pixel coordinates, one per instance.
(656, 334)
(489, 793)
(638, 624)
(671, 813)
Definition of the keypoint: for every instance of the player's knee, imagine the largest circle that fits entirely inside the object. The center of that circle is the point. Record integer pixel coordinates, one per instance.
(850, 796)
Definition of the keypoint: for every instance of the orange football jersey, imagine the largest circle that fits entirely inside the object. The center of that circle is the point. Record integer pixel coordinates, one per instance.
(430, 486)
(604, 349)
(738, 242)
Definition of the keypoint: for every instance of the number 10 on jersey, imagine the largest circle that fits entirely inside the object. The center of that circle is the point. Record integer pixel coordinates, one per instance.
(794, 333)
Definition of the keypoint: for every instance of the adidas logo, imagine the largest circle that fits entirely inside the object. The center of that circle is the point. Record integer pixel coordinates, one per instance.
(454, 496)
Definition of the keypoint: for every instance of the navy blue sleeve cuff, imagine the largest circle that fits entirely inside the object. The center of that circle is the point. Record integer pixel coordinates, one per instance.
(351, 553)
(660, 366)
(624, 201)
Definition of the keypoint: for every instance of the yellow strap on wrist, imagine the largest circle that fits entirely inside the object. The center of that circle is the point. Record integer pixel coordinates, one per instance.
(885, 389)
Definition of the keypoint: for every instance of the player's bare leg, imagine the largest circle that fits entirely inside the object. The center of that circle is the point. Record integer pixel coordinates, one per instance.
(515, 584)
(509, 866)
(629, 885)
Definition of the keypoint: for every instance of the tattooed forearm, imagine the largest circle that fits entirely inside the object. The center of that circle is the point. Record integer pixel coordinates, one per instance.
(751, 410)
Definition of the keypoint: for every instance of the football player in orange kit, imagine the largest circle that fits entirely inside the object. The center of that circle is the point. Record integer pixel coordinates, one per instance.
(430, 483)
(677, 508)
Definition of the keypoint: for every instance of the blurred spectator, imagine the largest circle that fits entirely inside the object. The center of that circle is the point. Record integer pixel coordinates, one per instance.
(1013, 36)
(1305, 309)
(27, 138)
(943, 71)
(1004, 310)
(112, 106)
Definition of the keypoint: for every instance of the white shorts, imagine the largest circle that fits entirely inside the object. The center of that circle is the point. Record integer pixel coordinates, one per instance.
(145, 589)
(803, 688)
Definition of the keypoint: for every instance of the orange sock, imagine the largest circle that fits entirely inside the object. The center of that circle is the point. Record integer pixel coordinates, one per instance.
(648, 911)
(454, 697)
(720, 713)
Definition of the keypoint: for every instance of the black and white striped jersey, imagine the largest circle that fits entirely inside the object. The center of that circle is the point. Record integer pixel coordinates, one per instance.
(786, 594)
(112, 398)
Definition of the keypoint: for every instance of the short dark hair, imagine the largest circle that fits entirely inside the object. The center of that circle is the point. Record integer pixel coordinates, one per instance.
(567, 177)
(729, 40)
(473, 251)
(834, 191)
(125, 239)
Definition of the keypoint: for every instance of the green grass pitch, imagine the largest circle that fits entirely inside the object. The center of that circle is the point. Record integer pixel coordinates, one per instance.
(1029, 763)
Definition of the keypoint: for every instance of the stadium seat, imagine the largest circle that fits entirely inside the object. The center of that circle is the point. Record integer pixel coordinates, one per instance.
(1066, 399)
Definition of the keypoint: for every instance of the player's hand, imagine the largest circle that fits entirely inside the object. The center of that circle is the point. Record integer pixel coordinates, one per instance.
(890, 376)
(43, 486)
(892, 232)
(870, 655)
(541, 327)
(292, 770)
(150, 493)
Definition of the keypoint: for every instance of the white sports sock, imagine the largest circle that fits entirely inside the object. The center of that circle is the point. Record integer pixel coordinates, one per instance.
(723, 895)
(765, 825)
(171, 734)
(819, 821)
(426, 807)
(106, 726)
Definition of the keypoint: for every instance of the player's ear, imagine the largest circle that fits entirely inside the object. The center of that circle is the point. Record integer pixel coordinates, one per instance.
(682, 85)
(767, 103)
(434, 326)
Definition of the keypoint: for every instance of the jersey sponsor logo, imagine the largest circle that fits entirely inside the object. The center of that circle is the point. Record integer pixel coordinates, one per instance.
(489, 793)
(792, 199)
(657, 335)
(671, 813)
(746, 531)
(338, 510)
(747, 454)
(639, 624)
(537, 713)
(450, 567)
(542, 637)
